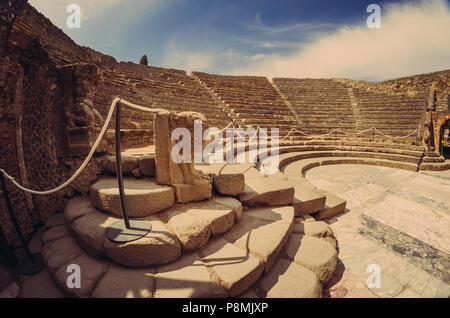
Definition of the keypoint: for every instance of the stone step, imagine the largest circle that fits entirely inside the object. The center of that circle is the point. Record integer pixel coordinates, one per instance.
(263, 232)
(224, 267)
(360, 143)
(295, 156)
(185, 227)
(88, 226)
(131, 165)
(143, 197)
(226, 181)
(189, 277)
(289, 280)
(195, 223)
(314, 254)
(435, 166)
(317, 229)
(287, 149)
(308, 199)
(334, 205)
(265, 191)
(428, 159)
(236, 269)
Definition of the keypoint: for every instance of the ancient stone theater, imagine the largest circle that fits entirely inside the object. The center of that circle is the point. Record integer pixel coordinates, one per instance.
(360, 187)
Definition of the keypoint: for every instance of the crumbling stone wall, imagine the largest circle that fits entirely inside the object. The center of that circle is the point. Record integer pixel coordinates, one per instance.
(40, 103)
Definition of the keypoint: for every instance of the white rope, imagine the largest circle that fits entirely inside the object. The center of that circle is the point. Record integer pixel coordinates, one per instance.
(243, 137)
(155, 110)
(306, 134)
(142, 108)
(285, 137)
(260, 129)
(86, 161)
(358, 133)
(221, 131)
(91, 153)
(392, 137)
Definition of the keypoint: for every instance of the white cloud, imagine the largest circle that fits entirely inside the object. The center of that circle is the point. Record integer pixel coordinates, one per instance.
(185, 59)
(259, 26)
(257, 57)
(414, 38)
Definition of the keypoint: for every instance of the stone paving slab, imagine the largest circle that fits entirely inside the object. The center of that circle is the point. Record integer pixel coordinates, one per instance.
(120, 282)
(236, 269)
(267, 192)
(415, 220)
(160, 246)
(313, 253)
(186, 278)
(400, 275)
(144, 197)
(251, 234)
(195, 223)
(289, 280)
(307, 198)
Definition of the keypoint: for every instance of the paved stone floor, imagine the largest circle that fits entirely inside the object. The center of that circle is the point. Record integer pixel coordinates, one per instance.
(420, 198)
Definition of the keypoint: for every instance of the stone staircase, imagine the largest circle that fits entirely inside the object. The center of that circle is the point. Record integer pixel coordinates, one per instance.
(253, 99)
(394, 115)
(321, 104)
(152, 87)
(252, 238)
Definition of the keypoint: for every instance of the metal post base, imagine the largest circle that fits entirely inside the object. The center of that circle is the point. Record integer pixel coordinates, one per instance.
(118, 233)
(28, 268)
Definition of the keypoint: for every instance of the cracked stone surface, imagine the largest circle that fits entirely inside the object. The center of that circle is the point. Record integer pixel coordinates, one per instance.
(370, 190)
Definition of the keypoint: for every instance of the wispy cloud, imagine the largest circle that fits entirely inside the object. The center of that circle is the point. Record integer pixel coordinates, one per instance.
(187, 58)
(414, 38)
(259, 26)
(270, 44)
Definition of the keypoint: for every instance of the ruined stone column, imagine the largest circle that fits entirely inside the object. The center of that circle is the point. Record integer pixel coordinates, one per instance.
(189, 183)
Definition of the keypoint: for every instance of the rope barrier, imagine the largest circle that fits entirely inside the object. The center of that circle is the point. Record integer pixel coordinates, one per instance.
(414, 132)
(358, 133)
(285, 137)
(243, 137)
(155, 110)
(91, 153)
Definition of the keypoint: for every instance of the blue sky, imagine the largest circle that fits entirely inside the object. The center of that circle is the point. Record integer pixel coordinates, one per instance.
(294, 38)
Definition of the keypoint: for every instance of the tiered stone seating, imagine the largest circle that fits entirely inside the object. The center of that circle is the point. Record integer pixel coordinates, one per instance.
(156, 88)
(321, 104)
(295, 161)
(393, 115)
(253, 99)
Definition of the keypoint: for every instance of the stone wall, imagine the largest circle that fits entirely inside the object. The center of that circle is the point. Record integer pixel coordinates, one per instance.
(423, 85)
(40, 106)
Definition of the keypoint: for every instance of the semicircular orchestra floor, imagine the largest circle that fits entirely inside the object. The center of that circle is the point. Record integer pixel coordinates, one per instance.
(397, 226)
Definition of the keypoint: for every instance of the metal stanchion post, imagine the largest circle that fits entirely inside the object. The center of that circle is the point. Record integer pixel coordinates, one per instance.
(126, 230)
(32, 263)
